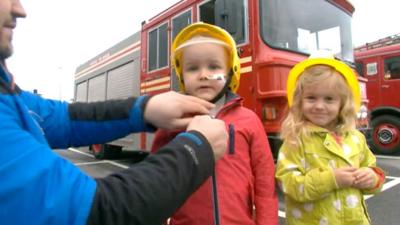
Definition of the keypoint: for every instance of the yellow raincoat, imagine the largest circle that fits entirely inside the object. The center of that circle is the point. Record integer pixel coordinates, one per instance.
(305, 175)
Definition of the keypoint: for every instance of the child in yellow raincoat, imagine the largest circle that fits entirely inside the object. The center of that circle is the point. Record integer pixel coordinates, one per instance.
(325, 166)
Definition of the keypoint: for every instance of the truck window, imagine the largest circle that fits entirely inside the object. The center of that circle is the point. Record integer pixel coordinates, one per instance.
(158, 47)
(392, 68)
(180, 22)
(360, 68)
(306, 26)
(228, 14)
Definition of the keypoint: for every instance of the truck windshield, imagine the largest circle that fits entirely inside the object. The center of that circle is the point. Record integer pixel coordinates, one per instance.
(305, 26)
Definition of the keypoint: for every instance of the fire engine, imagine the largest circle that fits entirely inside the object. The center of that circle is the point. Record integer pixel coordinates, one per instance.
(379, 62)
(272, 36)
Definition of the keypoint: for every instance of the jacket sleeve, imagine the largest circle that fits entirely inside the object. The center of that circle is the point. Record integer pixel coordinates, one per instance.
(262, 164)
(35, 179)
(369, 160)
(152, 190)
(296, 182)
(80, 124)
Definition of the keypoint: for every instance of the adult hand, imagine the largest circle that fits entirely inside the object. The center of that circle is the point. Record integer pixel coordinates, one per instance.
(345, 176)
(214, 130)
(171, 110)
(365, 178)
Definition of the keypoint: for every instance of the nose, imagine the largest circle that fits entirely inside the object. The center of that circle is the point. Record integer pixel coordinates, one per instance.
(319, 104)
(204, 74)
(18, 10)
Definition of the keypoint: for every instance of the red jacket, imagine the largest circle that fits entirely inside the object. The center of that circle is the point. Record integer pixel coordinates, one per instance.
(245, 175)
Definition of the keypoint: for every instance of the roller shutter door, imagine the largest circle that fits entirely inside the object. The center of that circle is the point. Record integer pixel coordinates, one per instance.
(123, 81)
(97, 88)
(81, 92)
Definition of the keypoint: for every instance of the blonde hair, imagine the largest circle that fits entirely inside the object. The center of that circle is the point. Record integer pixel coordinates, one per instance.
(294, 125)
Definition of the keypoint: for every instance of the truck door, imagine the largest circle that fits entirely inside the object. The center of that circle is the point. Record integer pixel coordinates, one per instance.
(374, 81)
(390, 82)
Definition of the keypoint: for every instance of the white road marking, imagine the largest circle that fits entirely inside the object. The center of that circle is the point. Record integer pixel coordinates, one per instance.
(387, 157)
(117, 164)
(97, 162)
(386, 186)
(80, 152)
(89, 163)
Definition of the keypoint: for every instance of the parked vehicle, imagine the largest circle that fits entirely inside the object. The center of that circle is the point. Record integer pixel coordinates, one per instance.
(379, 62)
(272, 36)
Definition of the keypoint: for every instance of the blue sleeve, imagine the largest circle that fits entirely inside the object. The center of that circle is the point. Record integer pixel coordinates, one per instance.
(37, 186)
(80, 124)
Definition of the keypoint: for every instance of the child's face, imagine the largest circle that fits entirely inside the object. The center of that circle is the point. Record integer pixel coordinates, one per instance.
(200, 62)
(321, 105)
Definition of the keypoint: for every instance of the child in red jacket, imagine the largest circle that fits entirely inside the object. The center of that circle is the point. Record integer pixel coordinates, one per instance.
(207, 66)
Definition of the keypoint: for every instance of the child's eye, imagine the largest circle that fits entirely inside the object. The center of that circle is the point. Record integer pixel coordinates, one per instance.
(192, 68)
(329, 99)
(309, 97)
(214, 67)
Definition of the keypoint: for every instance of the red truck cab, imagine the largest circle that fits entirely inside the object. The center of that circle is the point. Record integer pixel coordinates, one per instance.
(379, 62)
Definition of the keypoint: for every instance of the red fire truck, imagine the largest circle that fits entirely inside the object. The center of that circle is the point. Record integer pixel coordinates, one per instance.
(272, 36)
(379, 62)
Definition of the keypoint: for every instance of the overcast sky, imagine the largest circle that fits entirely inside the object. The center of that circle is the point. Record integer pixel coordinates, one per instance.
(59, 35)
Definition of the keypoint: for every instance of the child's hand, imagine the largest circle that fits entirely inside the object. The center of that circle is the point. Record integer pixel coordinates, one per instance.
(365, 178)
(345, 176)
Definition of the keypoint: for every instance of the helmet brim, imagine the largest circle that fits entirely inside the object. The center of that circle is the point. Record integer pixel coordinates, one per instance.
(339, 66)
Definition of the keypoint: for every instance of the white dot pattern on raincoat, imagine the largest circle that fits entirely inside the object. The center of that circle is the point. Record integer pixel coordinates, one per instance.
(291, 166)
(337, 205)
(296, 173)
(323, 221)
(332, 164)
(355, 139)
(296, 213)
(281, 156)
(301, 188)
(303, 163)
(330, 203)
(346, 149)
(308, 207)
(352, 201)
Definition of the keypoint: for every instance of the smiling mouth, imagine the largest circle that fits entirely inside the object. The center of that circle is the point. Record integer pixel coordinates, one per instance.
(319, 115)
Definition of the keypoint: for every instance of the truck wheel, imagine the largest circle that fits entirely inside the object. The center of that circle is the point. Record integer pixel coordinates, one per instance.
(104, 151)
(386, 134)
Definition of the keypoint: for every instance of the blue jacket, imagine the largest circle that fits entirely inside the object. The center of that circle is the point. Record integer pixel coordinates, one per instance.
(45, 188)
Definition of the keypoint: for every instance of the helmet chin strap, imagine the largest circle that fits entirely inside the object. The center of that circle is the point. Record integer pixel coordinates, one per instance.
(224, 89)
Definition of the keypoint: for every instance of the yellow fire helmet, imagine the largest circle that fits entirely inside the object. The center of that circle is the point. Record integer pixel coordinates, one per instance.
(339, 66)
(206, 33)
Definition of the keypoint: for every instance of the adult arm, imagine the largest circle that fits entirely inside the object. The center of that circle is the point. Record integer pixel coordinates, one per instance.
(80, 124)
(38, 186)
(150, 191)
